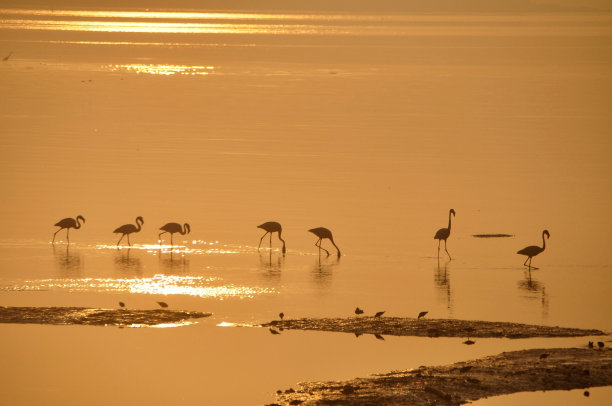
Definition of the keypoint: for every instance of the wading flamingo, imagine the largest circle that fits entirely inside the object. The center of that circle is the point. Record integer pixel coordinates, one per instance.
(444, 233)
(271, 227)
(68, 223)
(174, 228)
(534, 250)
(128, 229)
(323, 232)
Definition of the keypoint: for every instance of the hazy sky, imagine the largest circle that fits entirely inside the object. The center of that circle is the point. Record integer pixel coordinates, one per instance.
(324, 5)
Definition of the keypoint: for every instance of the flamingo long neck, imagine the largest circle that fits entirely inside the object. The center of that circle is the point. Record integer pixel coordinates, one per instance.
(280, 238)
(449, 221)
(543, 242)
(184, 231)
(332, 241)
(138, 225)
(78, 223)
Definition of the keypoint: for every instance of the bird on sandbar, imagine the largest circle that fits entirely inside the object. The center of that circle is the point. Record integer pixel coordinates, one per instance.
(590, 344)
(68, 223)
(174, 228)
(544, 355)
(281, 315)
(469, 342)
(379, 337)
(121, 304)
(534, 250)
(272, 331)
(358, 311)
(444, 233)
(271, 227)
(600, 344)
(378, 314)
(322, 233)
(422, 314)
(162, 304)
(128, 229)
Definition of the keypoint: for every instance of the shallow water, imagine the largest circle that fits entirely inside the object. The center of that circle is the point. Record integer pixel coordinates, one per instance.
(371, 126)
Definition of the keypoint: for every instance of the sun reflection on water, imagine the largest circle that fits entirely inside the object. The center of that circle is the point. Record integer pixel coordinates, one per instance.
(205, 287)
(166, 70)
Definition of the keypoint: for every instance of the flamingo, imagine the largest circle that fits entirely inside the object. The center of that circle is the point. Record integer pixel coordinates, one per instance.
(444, 233)
(128, 229)
(534, 250)
(174, 228)
(271, 227)
(68, 223)
(323, 232)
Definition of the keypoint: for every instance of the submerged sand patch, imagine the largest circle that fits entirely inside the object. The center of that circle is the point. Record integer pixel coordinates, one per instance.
(398, 326)
(95, 317)
(505, 373)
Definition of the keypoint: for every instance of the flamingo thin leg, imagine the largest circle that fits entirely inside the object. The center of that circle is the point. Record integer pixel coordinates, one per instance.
(449, 256)
(119, 242)
(260, 240)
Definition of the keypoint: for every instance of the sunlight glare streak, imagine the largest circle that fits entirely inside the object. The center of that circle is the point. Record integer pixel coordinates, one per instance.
(159, 284)
(165, 70)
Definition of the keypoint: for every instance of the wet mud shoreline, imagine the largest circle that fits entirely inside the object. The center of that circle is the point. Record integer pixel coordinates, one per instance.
(95, 317)
(398, 326)
(459, 383)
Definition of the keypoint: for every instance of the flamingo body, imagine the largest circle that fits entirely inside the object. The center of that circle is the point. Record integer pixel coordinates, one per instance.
(444, 233)
(533, 250)
(174, 228)
(271, 227)
(322, 233)
(128, 229)
(68, 223)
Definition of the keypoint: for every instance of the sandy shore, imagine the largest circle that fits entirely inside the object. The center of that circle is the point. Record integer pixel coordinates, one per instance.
(397, 326)
(505, 373)
(94, 317)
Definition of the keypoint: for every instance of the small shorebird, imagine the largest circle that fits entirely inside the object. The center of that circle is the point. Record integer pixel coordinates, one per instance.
(444, 233)
(174, 228)
(379, 337)
(469, 342)
(162, 304)
(281, 315)
(121, 304)
(422, 314)
(358, 311)
(128, 229)
(68, 223)
(534, 250)
(272, 331)
(271, 227)
(600, 344)
(544, 355)
(378, 314)
(322, 233)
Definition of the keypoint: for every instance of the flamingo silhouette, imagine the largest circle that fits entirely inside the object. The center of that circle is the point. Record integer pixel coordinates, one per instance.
(444, 233)
(271, 227)
(128, 229)
(323, 232)
(68, 223)
(534, 250)
(174, 228)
